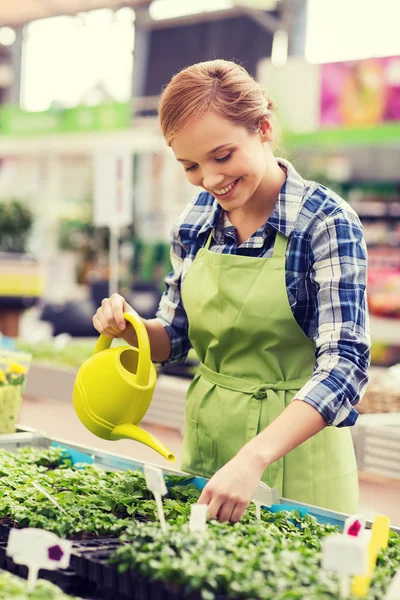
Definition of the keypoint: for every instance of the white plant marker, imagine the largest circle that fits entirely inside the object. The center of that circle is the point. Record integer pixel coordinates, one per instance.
(156, 484)
(45, 493)
(346, 555)
(198, 518)
(264, 496)
(354, 526)
(38, 549)
(393, 592)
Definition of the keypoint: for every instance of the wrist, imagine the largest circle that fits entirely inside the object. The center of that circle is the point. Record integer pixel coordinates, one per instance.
(256, 453)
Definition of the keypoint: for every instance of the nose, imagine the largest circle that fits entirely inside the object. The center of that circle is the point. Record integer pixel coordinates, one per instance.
(212, 179)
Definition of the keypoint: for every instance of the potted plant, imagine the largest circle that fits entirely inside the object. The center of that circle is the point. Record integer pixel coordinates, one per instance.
(15, 225)
(20, 278)
(12, 380)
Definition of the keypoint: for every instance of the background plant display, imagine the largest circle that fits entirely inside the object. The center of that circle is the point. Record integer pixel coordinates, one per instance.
(278, 558)
(15, 225)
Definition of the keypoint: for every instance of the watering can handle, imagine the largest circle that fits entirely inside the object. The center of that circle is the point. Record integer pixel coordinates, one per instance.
(144, 356)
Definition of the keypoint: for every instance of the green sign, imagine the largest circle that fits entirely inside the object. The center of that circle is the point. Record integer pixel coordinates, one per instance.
(16, 122)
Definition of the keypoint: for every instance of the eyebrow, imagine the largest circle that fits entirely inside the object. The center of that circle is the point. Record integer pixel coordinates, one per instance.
(208, 153)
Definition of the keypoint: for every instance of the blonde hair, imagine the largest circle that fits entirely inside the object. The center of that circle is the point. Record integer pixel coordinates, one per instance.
(219, 85)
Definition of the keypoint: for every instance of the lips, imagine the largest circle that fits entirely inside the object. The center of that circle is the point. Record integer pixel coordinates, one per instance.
(227, 190)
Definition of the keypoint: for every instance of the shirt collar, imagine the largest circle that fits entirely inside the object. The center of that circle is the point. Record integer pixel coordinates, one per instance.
(284, 214)
(213, 222)
(286, 209)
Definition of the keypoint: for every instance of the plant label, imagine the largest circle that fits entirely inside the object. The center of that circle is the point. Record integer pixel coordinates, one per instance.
(354, 526)
(38, 549)
(393, 592)
(155, 480)
(264, 496)
(198, 517)
(45, 493)
(346, 555)
(156, 484)
(379, 539)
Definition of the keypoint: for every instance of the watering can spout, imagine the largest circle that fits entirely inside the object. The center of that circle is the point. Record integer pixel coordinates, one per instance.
(133, 432)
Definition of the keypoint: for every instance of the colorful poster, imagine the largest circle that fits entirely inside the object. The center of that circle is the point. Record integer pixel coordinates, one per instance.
(362, 92)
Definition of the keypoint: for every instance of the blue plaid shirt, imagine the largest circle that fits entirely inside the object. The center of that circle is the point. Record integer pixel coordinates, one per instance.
(326, 273)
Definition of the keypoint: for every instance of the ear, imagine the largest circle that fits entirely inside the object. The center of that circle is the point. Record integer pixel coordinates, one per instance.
(265, 129)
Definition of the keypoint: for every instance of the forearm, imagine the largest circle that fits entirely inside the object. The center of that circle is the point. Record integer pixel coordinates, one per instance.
(160, 343)
(296, 424)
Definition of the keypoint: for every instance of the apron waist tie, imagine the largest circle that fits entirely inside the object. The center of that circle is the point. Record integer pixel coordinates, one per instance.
(249, 387)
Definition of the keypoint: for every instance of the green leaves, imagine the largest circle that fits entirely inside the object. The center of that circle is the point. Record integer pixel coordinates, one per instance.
(96, 502)
(277, 559)
(272, 560)
(14, 588)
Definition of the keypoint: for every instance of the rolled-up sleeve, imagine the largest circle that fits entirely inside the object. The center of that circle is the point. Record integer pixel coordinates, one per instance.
(339, 272)
(171, 313)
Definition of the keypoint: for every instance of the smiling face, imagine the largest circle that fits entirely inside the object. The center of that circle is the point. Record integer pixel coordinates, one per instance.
(225, 159)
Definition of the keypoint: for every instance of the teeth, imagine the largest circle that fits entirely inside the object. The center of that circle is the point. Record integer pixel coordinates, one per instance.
(224, 190)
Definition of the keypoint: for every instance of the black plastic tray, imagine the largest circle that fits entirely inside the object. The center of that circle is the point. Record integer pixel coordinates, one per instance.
(91, 574)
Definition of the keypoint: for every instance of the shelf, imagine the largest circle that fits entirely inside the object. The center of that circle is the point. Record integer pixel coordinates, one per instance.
(140, 138)
(383, 134)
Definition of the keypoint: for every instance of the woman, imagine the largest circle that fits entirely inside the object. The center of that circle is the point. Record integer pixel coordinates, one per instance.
(268, 286)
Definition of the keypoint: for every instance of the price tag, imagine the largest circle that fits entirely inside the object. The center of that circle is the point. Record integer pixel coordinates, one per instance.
(156, 484)
(198, 518)
(393, 592)
(346, 555)
(38, 549)
(264, 496)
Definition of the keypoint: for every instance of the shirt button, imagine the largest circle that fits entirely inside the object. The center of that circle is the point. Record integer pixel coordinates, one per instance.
(261, 393)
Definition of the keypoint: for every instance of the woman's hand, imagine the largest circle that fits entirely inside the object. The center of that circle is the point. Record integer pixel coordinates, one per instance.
(230, 490)
(109, 320)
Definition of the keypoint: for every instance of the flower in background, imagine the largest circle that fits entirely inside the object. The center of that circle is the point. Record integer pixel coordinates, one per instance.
(16, 368)
(15, 374)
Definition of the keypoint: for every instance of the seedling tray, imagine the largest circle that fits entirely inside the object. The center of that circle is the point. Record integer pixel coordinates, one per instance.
(90, 573)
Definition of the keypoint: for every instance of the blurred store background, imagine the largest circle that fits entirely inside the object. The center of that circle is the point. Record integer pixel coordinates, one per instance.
(89, 191)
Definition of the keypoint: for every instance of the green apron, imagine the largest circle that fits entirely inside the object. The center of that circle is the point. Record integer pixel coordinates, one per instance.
(254, 359)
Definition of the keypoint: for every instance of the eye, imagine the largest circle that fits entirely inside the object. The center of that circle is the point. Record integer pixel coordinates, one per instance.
(192, 168)
(224, 158)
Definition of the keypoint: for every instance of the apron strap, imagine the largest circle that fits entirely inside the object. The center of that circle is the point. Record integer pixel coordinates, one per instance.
(208, 242)
(281, 242)
(250, 387)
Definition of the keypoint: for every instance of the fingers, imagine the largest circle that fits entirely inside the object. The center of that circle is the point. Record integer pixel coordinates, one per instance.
(221, 506)
(109, 320)
(99, 327)
(118, 308)
(238, 511)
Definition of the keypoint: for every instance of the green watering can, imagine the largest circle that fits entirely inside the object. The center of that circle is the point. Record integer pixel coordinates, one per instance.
(114, 387)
